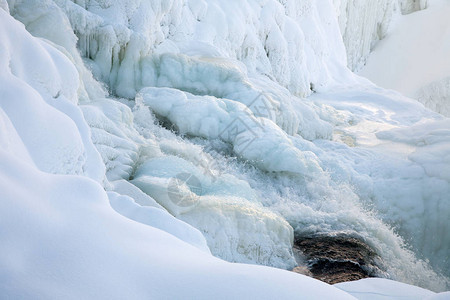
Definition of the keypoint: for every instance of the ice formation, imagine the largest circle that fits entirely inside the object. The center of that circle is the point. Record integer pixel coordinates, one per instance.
(189, 114)
(284, 41)
(436, 96)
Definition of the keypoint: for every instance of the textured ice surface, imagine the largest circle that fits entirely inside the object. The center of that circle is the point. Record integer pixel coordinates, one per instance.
(401, 170)
(436, 96)
(236, 228)
(285, 41)
(255, 139)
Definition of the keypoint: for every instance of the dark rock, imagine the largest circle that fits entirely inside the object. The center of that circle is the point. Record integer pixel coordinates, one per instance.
(303, 271)
(335, 259)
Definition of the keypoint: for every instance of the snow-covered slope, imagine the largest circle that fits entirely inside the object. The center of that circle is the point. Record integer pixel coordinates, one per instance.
(365, 22)
(212, 133)
(374, 289)
(413, 58)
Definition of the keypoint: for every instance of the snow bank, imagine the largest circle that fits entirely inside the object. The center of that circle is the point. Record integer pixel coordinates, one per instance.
(47, 221)
(46, 20)
(413, 59)
(364, 23)
(377, 288)
(157, 218)
(51, 132)
(45, 98)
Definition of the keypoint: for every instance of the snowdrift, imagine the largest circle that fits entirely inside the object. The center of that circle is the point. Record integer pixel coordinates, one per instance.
(413, 59)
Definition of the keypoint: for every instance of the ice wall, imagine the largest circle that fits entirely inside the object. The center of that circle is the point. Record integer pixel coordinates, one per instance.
(285, 41)
(410, 6)
(436, 96)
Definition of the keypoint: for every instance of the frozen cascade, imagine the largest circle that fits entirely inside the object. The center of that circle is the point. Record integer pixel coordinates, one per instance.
(300, 172)
(123, 37)
(436, 96)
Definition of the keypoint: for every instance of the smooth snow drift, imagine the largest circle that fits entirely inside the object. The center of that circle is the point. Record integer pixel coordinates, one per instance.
(413, 58)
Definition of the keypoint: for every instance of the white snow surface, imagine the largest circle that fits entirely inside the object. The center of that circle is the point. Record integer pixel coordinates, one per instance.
(379, 289)
(413, 58)
(211, 91)
(64, 241)
(363, 23)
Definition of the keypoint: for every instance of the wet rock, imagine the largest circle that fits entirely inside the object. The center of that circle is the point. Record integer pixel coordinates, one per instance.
(335, 259)
(302, 270)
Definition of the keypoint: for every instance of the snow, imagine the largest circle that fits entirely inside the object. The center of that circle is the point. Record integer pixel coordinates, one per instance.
(211, 152)
(61, 239)
(64, 241)
(377, 288)
(46, 100)
(157, 218)
(440, 296)
(412, 59)
(364, 23)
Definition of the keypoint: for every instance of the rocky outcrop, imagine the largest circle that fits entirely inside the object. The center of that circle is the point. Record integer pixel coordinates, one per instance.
(335, 259)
